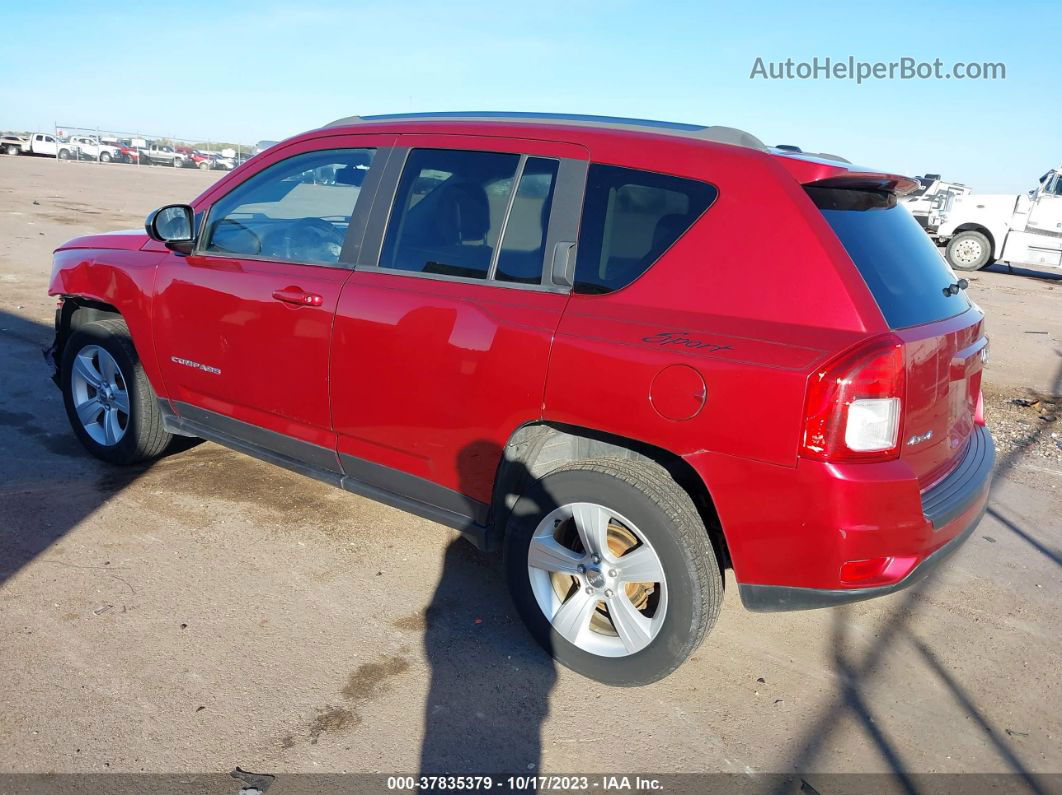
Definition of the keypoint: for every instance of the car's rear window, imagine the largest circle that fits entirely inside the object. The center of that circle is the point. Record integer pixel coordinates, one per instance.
(901, 266)
(630, 218)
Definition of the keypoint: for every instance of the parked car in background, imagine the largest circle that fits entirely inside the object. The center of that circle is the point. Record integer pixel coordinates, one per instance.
(127, 153)
(161, 155)
(205, 161)
(544, 331)
(43, 145)
(201, 160)
(1020, 229)
(86, 147)
(12, 144)
(927, 200)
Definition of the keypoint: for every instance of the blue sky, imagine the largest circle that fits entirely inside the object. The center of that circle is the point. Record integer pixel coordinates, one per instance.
(266, 70)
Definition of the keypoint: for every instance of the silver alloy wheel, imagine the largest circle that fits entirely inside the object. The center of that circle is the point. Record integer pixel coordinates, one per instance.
(597, 579)
(968, 251)
(100, 394)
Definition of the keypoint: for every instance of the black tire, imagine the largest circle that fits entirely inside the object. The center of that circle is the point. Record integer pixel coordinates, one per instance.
(144, 436)
(64, 154)
(11, 149)
(960, 244)
(105, 157)
(667, 517)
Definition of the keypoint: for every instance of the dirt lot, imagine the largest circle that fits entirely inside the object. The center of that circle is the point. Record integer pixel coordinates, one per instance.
(212, 611)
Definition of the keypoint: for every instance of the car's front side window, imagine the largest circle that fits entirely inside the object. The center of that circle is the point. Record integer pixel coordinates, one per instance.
(297, 210)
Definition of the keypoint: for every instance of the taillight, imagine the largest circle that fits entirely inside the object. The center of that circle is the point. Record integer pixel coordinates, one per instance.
(854, 409)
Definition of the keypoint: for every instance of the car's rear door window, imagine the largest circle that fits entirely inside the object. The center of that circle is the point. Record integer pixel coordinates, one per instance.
(903, 269)
(449, 212)
(630, 218)
(297, 210)
(524, 239)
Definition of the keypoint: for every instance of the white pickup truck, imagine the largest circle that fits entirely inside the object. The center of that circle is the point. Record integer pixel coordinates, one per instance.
(36, 144)
(86, 147)
(1020, 229)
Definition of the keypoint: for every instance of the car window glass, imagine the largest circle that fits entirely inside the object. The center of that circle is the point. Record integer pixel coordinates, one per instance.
(630, 218)
(524, 240)
(448, 212)
(297, 210)
(893, 254)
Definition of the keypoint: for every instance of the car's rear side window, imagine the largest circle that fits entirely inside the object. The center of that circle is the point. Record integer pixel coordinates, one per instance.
(903, 269)
(630, 218)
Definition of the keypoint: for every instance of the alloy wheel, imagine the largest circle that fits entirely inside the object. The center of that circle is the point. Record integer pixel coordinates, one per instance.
(100, 394)
(597, 579)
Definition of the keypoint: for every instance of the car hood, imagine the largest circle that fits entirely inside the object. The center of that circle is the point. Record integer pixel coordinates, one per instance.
(124, 240)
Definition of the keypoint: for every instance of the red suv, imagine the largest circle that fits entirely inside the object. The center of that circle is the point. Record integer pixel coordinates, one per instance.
(630, 354)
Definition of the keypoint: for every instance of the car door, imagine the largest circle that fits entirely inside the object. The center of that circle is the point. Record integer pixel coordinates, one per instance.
(443, 333)
(1045, 216)
(243, 323)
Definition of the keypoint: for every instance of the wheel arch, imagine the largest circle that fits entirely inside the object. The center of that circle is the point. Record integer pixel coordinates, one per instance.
(74, 312)
(973, 226)
(536, 448)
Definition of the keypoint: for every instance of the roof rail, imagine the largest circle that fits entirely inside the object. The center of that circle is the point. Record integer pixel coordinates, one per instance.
(718, 134)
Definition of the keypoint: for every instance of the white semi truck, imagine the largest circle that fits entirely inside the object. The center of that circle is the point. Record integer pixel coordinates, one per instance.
(1019, 229)
(926, 202)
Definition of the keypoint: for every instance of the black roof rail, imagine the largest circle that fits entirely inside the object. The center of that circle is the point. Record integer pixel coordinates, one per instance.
(716, 133)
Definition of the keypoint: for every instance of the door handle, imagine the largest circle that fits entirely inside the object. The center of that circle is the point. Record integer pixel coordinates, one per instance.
(298, 297)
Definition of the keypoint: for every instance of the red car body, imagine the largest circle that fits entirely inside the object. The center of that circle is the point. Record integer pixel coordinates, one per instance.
(710, 357)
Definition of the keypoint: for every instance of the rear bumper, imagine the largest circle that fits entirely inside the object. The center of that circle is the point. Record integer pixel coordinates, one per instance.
(791, 531)
(777, 598)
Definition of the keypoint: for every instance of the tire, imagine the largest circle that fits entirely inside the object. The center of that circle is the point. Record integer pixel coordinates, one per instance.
(969, 251)
(64, 154)
(641, 500)
(204, 166)
(141, 437)
(105, 157)
(11, 149)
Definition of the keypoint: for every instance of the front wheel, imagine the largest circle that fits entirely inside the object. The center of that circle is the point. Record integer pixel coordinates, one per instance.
(969, 251)
(611, 568)
(105, 157)
(109, 401)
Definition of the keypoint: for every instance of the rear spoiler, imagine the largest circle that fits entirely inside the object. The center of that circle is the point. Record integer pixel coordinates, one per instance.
(862, 180)
(821, 173)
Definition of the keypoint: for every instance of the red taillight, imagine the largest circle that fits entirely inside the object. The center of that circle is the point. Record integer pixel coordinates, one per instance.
(854, 408)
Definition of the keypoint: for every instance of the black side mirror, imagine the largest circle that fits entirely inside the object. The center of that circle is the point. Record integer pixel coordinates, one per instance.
(173, 225)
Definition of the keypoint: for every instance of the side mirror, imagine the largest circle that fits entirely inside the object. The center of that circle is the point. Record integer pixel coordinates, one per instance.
(173, 225)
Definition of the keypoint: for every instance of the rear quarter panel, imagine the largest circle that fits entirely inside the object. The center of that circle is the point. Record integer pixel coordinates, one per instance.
(760, 280)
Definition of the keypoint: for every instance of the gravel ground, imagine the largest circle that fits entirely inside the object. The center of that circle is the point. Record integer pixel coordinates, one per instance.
(1027, 424)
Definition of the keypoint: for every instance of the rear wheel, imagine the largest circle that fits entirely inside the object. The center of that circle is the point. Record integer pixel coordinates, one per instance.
(109, 401)
(969, 251)
(611, 568)
(64, 154)
(11, 149)
(105, 157)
